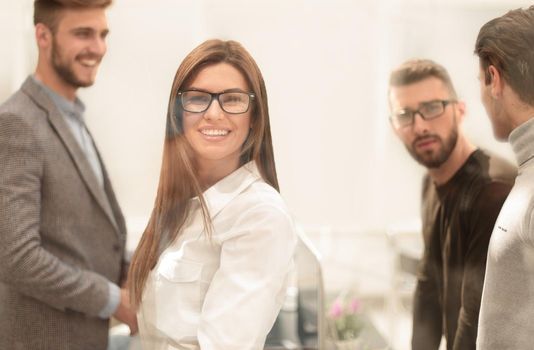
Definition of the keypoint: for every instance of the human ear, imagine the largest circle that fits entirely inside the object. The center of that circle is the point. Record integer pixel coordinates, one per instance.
(43, 36)
(461, 109)
(495, 81)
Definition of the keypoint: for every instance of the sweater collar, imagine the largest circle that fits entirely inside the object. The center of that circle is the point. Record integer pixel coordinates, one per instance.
(522, 141)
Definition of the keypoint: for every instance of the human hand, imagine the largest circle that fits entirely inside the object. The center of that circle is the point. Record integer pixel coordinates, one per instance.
(125, 312)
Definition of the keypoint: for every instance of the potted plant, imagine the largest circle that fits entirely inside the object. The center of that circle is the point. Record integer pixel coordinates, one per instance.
(345, 322)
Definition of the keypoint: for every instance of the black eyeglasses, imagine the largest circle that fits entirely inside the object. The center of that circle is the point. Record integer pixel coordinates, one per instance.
(427, 110)
(232, 102)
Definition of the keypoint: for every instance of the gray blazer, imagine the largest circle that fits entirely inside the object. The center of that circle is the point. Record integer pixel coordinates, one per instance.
(62, 235)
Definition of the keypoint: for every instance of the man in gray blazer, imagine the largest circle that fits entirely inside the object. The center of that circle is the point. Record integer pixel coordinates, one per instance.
(62, 233)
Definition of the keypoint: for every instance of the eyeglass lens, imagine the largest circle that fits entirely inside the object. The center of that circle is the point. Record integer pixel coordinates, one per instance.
(429, 110)
(230, 102)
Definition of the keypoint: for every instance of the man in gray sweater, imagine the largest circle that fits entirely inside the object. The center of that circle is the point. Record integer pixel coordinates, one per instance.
(505, 47)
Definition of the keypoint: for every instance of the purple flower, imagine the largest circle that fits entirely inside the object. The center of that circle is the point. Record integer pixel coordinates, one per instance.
(354, 306)
(336, 310)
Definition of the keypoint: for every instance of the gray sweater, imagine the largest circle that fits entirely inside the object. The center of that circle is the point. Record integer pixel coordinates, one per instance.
(507, 309)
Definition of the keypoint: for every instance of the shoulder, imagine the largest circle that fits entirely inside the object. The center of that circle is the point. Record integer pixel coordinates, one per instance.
(261, 205)
(499, 169)
(21, 100)
(492, 195)
(257, 215)
(488, 179)
(261, 196)
(500, 178)
(427, 185)
(21, 109)
(491, 177)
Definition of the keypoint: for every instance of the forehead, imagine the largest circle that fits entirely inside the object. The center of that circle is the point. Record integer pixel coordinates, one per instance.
(219, 77)
(414, 94)
(93, 18)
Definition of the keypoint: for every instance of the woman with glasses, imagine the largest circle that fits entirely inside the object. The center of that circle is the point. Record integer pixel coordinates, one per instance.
(211, 268)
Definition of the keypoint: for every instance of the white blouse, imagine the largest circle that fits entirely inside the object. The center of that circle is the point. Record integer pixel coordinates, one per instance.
(223, 293)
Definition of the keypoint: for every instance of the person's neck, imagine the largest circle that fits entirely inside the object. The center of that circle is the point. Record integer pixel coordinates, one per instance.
(210, 172)
(53, 81)
(456, 160)
(515, 111)
(519, 114)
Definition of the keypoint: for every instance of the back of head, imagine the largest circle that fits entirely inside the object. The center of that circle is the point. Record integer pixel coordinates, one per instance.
(47, 11)
(507, 43)
(416, 70)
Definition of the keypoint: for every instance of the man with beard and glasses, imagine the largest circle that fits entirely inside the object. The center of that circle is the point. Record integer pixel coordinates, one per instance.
(62, 233)
(463, 192)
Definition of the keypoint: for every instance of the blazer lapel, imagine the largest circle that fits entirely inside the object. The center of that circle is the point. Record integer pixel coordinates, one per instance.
(84, 168)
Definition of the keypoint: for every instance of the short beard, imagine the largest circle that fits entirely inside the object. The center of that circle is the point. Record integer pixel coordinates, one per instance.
(64, 70)
(436, 160)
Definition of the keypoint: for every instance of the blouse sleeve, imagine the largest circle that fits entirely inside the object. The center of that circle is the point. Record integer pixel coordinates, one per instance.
(248, 289)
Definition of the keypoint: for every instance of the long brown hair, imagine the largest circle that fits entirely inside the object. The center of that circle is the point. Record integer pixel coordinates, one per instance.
(178, 181)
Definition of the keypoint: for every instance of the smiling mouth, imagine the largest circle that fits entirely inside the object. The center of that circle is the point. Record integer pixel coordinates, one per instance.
(89, 62)
(214, 132)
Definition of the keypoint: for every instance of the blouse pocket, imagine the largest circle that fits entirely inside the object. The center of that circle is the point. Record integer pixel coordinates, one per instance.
(178, 298)
(180, 271)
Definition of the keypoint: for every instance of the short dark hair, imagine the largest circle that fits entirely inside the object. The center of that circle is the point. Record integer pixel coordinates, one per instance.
(416, 70)
(47, 11)
(507, 43)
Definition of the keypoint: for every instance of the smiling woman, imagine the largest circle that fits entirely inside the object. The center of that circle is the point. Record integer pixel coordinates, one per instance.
(216, 131)
(212, 266)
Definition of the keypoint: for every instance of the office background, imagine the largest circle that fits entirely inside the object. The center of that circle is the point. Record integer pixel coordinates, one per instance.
(342, 171)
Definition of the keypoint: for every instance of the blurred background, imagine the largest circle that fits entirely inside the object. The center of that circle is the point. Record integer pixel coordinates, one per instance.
(347, 179)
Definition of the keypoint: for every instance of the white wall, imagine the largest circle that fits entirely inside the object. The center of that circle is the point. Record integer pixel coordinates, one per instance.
(326, 65)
